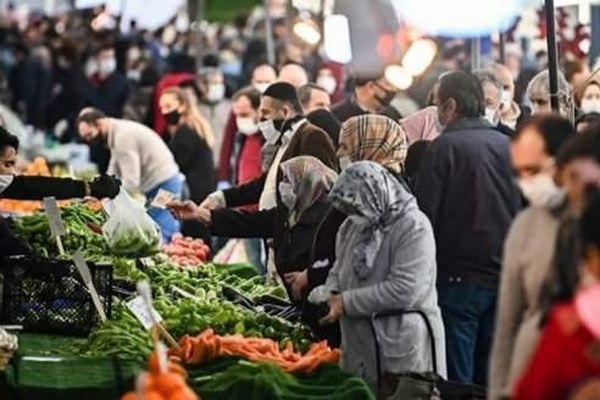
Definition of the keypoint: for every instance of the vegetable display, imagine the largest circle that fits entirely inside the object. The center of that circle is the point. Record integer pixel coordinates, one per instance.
(81, 223)
(207, 346)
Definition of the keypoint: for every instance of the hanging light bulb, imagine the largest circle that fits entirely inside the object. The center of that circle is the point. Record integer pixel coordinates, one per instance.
(398, 76)
(308, 31)
(336, 31)
(419, 56)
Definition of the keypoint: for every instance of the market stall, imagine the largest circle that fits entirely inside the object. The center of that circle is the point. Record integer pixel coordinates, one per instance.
(235, 335)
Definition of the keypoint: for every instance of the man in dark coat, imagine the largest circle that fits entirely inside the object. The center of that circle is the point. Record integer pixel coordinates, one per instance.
(371, 95)
(466, 187)
(282, 124)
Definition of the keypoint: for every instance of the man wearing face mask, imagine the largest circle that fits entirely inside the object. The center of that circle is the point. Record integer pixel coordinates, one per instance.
(245, 161)
(213, 105)
(263, 74)
(139, 157)
(283, 125)
(512, 113)
(371, 95)
(528, 253)
(494, 105)
(108, 93)
(466, 188)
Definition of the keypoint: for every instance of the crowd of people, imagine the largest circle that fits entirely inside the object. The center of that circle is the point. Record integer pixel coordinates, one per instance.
(472, 220)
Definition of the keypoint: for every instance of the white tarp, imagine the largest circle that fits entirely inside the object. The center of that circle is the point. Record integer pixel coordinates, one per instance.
(150, 14)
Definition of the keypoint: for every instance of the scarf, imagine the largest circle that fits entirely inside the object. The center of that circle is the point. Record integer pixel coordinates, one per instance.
(374, 138)
(374, 199)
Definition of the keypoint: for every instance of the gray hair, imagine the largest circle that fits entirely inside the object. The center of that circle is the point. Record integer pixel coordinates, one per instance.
(541, 82)
(486, 76)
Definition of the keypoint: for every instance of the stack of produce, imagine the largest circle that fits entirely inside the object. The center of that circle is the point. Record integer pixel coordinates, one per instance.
(162, 385)
(186, 251)
(123, 335)
(207, 346)
(81, 224)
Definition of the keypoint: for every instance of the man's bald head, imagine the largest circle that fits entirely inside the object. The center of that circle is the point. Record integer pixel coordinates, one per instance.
(293, 74)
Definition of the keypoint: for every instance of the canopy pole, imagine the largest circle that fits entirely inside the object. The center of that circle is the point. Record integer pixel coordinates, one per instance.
(269, 34)
(552, 54)
(501, 47)
(475, 54)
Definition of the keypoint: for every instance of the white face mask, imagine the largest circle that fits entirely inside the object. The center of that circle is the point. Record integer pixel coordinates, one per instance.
(107, 66)
(288, 197)
(492, 116)
(91, 67)
(247, 126)
(538, 189)
(268, 130)
(134, 75)
(216, 92)
(345, 162)
(261, 87)
(506, 98)
(327, 82)
(588, 106)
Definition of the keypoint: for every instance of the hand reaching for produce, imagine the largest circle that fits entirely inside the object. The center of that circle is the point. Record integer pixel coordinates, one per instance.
(298, 281)
(105, 186)
(336, 310)
(187, 210)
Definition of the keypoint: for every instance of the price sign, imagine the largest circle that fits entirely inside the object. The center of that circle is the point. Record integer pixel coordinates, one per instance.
(84, 271)
(57, 228)
(139, 308)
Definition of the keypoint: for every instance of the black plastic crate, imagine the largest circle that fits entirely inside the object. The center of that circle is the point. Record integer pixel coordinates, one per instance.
(49, 296)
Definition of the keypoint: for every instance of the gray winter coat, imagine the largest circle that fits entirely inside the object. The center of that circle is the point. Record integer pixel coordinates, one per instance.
(403, 277)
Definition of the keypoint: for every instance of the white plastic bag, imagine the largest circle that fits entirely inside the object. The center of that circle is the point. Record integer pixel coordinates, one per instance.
(128, 229)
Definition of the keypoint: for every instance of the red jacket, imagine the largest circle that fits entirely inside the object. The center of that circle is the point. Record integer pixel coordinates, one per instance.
(567, 355)
(249, 164)
(159, 125)
(224, 170)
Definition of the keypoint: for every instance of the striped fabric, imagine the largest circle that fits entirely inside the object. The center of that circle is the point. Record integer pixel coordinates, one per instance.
(374, 138)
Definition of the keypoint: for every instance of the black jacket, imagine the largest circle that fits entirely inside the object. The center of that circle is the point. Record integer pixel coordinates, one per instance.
(38, 187)
(309, 140)
(466, 187)
(309, 244)
(195, 160)
(33, 188)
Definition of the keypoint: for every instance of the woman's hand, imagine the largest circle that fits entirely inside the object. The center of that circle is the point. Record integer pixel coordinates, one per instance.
(187, 211)
(336, 310)
(298, 281)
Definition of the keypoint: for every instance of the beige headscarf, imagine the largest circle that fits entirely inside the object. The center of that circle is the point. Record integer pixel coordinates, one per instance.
(374, 138)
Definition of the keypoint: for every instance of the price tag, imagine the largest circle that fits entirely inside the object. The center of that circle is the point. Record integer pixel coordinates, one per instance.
(57, 228)
(84, 271)
(138, 307)
(162, 198)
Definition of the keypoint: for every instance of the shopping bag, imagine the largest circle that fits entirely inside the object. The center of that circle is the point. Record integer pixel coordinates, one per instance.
(420, 385)
(128, 229)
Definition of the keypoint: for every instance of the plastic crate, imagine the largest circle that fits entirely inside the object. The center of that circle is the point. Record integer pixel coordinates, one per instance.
(48, 296)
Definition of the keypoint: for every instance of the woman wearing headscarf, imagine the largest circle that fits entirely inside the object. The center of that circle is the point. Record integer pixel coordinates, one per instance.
(538, 94)
(303, 227)
(373, 138)
(385, 261)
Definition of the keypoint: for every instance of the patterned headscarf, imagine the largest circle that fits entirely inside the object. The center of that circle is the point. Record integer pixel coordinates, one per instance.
(309, 180)
(374, 199)
(374, 138)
